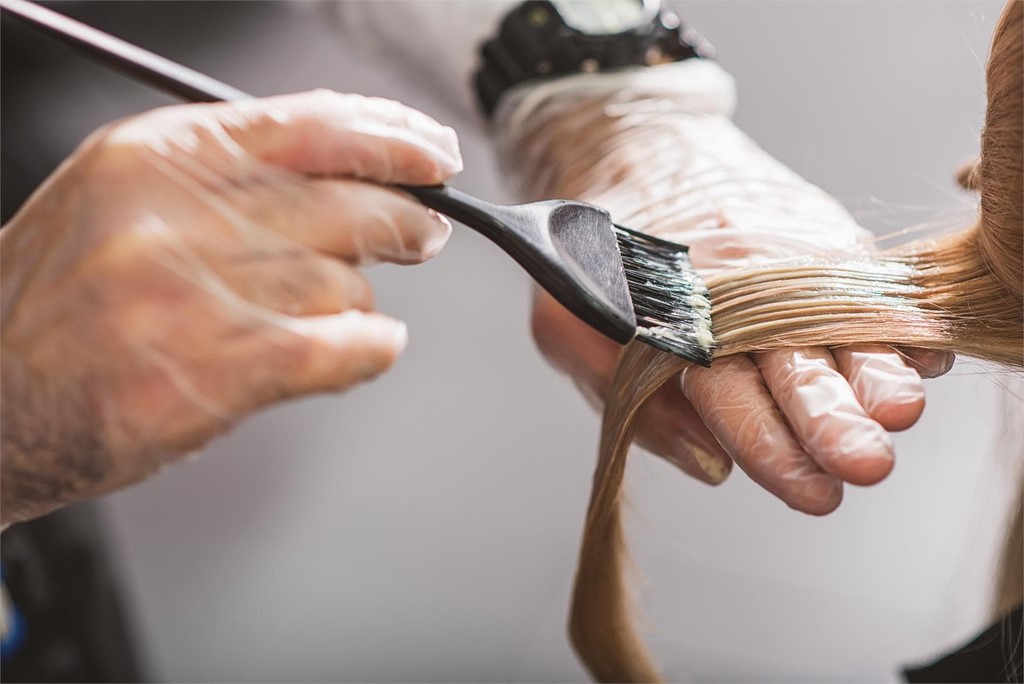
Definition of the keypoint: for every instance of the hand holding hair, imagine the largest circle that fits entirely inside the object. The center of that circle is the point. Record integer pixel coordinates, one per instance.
(962, 293)
(668, 160)
(190, 265)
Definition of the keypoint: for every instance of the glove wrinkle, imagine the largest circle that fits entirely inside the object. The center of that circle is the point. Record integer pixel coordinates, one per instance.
(183, 269)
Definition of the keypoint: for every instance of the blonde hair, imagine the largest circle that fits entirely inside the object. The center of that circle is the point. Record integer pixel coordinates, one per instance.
(961, 293)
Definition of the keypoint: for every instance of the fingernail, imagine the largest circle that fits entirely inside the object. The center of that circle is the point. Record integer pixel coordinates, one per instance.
(449, 155)
(401, 336)
(715, 468)
(434, 238)
(937, 364)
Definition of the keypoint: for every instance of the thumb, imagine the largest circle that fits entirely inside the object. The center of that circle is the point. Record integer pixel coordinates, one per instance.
(311, 354)
(337, 351)
(291, 358)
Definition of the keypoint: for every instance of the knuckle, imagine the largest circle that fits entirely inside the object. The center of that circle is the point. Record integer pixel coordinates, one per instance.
(349, 107)
(122, 145)
(356, 286)
(110, 149)
(128, 248)
(322, 93)
(315, 284)
(271, 383)
(392, 111)
(329, 98)
(300, 271)
(302, 357)
(295, 359)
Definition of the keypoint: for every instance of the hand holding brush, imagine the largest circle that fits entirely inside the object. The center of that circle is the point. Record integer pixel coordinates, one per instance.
(622, 283)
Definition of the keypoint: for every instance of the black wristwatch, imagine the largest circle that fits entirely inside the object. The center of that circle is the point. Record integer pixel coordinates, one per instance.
(547, 38)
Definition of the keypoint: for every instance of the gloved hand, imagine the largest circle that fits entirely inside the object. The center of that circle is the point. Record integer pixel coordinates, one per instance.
(190, 265)
(656, 148)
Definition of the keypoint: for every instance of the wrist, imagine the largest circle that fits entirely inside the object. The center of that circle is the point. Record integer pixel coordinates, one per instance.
(578, 135)
(49, 455)
(664, 157)
(694, 86)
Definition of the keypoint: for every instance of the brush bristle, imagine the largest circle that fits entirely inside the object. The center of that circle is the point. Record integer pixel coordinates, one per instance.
(672, 304)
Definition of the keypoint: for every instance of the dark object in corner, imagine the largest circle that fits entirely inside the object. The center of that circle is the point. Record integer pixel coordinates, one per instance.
(63, 584)
(997, 655)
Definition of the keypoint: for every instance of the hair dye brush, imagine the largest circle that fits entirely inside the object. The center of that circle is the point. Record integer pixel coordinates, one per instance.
(622, 283)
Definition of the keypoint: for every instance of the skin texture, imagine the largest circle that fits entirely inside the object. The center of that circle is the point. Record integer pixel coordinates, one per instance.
(190, 265)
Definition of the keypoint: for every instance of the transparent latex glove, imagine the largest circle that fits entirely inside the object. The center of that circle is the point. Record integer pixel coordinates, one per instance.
(800, 422)
(190, 265)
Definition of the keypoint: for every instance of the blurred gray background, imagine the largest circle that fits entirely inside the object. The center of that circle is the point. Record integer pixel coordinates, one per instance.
(425, 527)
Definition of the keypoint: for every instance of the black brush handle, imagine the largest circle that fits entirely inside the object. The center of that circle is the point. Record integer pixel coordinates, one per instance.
(503, 225)
(523, 231)
(455, 204)
(136, 62)
(552, 242)
(510, 227)
(191, 85)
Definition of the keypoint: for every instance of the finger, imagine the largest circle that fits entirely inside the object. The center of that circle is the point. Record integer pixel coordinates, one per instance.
(356, 221)
(263, 360)
(318, 354)
(296, 281)
(667, 425)
(825, 415)
(574, 348)
(737, 407)
(346, 349)
(929, 363)
(327, 133)
(890, 391)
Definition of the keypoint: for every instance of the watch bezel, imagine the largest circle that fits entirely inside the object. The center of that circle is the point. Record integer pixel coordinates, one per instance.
(535, 42)
(649, 12)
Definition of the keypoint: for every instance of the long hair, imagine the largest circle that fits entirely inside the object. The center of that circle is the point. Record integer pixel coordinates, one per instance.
(962, 293)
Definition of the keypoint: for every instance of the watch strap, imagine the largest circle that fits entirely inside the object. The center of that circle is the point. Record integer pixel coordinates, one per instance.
(533, 42)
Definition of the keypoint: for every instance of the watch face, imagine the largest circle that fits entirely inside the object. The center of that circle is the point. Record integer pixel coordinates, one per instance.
(594, 17)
